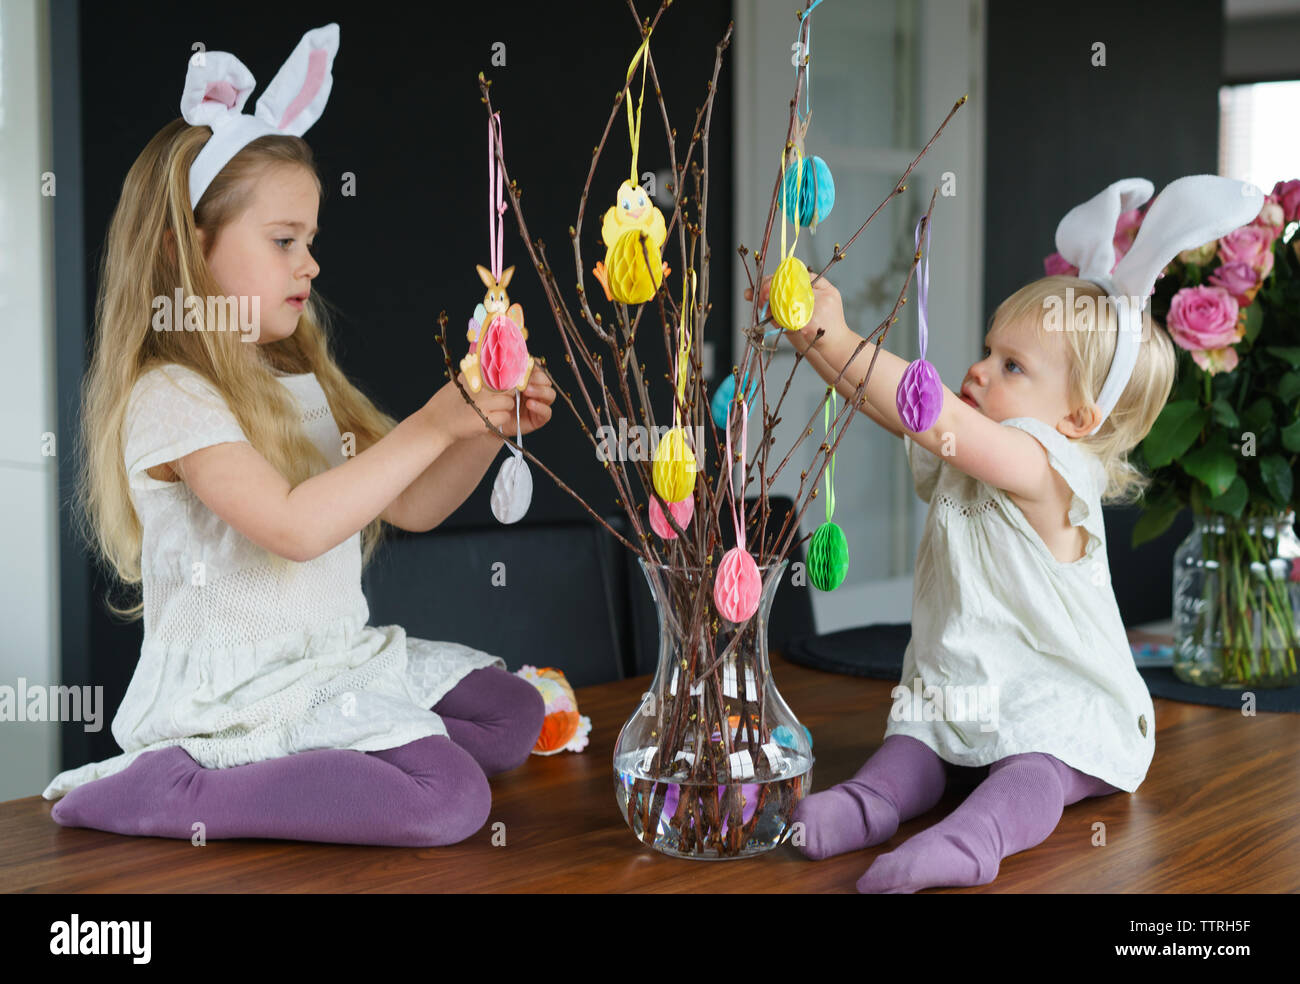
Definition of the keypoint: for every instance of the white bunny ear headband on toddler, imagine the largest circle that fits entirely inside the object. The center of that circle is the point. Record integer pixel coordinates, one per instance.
(1189, 212)
(217, 85)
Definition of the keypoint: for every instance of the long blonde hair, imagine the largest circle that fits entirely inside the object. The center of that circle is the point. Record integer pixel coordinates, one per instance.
(1088, 338)
(153, 247)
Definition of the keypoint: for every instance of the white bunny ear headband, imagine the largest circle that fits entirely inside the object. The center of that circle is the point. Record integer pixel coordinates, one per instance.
(1189, 212)
(217, 85)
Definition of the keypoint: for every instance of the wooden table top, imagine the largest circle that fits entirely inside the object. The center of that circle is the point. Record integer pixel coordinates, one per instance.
(1215, 814)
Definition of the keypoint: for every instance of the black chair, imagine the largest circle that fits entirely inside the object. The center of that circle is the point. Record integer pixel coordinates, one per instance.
(546, 594)
(573, 596)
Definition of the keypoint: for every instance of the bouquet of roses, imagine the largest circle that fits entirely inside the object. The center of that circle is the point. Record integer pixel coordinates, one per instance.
(1228, 439)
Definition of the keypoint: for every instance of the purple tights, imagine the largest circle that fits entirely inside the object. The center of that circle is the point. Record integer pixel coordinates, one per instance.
(1015, 808)
(429, 792)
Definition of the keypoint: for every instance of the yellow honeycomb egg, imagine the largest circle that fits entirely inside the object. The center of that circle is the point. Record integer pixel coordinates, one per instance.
(673, 471)
(629, 280)
(791, 295)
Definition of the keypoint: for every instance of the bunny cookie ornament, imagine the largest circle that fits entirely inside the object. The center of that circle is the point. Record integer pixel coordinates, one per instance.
(498, 356)
(502, 361)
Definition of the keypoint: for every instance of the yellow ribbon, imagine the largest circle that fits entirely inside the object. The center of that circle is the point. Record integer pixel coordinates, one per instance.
(683, 348)
(798, 186)
(634, 132)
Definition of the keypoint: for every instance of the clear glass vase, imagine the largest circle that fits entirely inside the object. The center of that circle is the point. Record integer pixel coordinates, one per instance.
(1236, 600)
(712, 763)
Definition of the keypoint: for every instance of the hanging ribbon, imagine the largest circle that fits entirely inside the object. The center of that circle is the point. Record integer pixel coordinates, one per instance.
(919, 396)
(923, 287)
(683, 348)
(496, 198)
(731, 479)
(634, 131)
(791, 295)
(830, 469)
(737, 585)
(798, 179)
(808, 53)
(828, 553)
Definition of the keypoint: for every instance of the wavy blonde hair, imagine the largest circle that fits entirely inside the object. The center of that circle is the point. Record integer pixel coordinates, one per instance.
(1088, 341)
(153, 247)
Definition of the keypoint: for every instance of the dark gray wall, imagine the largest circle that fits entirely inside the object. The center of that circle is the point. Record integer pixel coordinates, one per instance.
(1060, 130)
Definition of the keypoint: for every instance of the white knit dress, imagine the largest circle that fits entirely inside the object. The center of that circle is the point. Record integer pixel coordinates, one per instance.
(241, 662)
(1042, 640)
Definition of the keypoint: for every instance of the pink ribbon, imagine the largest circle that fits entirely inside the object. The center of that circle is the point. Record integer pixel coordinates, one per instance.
(496, 191)
(731, 485)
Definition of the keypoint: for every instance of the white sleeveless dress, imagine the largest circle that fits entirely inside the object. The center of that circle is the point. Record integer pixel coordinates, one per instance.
(241, 662)
(1040, 641)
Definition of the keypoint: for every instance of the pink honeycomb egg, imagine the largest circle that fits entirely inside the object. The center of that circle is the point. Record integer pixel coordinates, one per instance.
(737, 585)
(682, 512)
(503, 354)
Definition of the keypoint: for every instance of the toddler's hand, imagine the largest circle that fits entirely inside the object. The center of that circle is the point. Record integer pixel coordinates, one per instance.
(828, 309)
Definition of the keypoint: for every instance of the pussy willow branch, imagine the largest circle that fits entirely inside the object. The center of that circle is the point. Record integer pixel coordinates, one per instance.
(572, 338)
(569, 336)
(851, 406)
(756, 334)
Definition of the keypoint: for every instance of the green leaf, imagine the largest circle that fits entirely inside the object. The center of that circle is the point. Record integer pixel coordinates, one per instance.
(1255, 321)
(1288, 387)
(1155, 518)
(1225, 416)
(1258, 417)
(1234, 500)
(1291, 436)
(1212, 464)
(1276, 473)
(1290, 354)
(1178, 425)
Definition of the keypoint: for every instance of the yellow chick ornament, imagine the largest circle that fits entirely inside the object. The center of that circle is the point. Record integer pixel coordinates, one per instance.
(633, 230)
(624, 274)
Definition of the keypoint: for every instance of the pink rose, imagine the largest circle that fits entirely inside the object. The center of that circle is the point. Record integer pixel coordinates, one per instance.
(1056, 265)
(1251, 245)
(1239, 280)
(1271, 217)
(1287, 194)
(1216, 360)
(1203, 318)
(1126, 230)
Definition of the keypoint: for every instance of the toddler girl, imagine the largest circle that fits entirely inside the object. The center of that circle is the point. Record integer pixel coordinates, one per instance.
(234, 472)
(1013, 611)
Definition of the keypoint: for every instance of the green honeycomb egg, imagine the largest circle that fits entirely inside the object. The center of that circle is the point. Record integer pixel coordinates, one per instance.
(828, 557)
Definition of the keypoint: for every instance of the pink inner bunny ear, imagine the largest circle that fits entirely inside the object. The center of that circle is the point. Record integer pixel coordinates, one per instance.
(317, 65)
(221, 92)
(296, 97)
(215, 88)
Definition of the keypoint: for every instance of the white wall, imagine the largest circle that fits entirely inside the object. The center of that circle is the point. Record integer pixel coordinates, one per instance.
(29, 625)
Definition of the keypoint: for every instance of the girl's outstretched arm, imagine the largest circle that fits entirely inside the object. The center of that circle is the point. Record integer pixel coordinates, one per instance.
(1004, 457)
(444, 486)
(302, 522)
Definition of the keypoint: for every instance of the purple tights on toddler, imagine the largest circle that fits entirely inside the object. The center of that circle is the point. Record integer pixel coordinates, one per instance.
(1015, 808)
(428, 792)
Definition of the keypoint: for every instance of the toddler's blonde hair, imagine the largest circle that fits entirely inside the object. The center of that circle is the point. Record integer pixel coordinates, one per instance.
(152, 248)
(1088, 339)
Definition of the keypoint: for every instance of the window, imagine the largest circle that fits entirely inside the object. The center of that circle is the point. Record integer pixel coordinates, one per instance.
(1259, 141)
